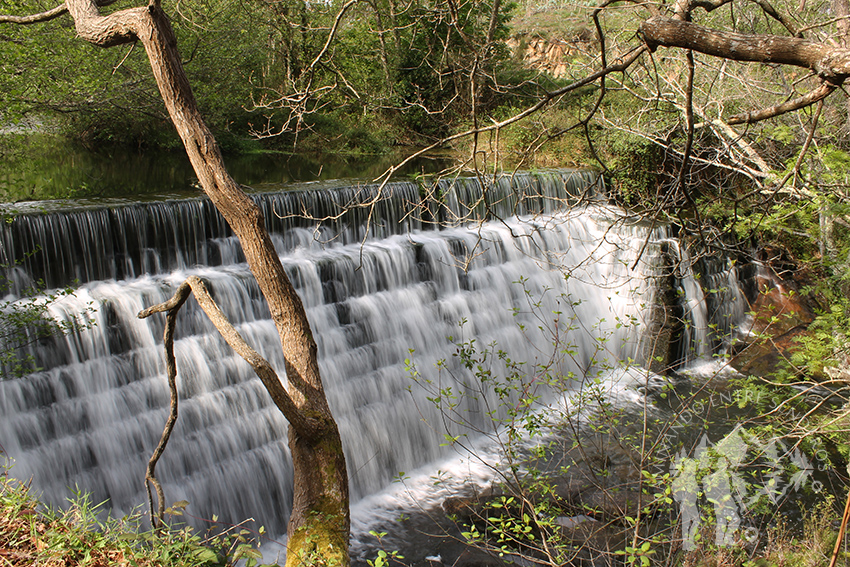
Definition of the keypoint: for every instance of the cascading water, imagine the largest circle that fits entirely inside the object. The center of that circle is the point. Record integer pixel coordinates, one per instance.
(376, 283)
(713, 305)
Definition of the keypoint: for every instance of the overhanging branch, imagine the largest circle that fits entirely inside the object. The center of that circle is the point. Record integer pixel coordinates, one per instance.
(34, 18)
(827, 61)
(46, 16)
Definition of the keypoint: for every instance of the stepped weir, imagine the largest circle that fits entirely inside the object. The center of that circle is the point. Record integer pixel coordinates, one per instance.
(517, 261)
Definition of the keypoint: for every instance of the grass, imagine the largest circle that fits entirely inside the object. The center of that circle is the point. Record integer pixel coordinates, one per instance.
(551, 20)
(33, 534)
(810, 546)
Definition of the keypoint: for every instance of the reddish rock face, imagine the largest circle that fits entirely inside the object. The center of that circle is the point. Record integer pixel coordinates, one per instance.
(780, 314)
(550, 56)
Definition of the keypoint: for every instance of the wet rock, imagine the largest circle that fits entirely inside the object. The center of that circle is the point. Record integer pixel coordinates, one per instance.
(595, 487)
(569, 488)
(781, 315)
(468, 508)
(614, 503)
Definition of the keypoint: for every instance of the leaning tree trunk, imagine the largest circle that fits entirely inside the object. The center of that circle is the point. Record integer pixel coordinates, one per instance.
(319, 525)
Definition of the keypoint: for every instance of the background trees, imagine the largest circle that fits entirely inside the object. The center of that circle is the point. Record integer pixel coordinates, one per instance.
(361, 76)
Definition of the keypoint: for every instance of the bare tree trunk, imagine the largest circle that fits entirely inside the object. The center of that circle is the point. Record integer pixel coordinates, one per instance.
(319, 526)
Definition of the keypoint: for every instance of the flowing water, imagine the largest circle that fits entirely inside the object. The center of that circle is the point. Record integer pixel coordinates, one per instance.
(529, 259)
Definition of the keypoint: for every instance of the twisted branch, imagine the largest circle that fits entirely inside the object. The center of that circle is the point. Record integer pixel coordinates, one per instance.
(172, 306)
(307, 426)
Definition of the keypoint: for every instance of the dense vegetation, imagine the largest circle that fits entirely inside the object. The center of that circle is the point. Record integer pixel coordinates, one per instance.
(262, 69)
(32, 534)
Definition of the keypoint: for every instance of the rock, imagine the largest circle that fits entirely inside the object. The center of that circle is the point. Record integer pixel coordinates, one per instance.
(460, 507)
(781, 314)
(550, 56)
(571, 522)
(467, 508)
(569, 488)
(614, 503)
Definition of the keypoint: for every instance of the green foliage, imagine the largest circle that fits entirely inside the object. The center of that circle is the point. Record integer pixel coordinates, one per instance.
(446, 48)
(78, 535)
(108, 96)
(267, 69)
(383, 558)
(826, 337)
(634, 167)
(521, 517)
(27, 320)
(353, 135)
(696, 449)
(802, 231)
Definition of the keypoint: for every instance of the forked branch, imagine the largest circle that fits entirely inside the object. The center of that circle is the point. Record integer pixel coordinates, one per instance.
(157, 519)
(306, 426)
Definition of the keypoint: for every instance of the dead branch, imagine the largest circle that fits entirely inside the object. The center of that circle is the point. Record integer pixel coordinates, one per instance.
(34, 18)
(174, 305)
(807, 99)
(827, 61)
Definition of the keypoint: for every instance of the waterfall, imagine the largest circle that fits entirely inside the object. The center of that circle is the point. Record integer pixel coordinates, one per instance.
(542, 259)
(59, 246)
(713, 303)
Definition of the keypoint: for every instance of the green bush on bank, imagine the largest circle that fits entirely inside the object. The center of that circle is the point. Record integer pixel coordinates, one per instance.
(33, 534)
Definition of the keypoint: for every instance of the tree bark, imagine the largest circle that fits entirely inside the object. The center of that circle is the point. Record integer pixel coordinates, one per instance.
(831, 63)
(319, 525)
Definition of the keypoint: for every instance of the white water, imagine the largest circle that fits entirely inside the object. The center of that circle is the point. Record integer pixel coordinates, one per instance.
(92, 417)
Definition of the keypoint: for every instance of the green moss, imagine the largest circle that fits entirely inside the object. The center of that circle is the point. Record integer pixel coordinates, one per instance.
(321, 542)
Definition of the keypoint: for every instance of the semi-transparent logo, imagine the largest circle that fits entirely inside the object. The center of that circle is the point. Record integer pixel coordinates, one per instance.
(726, 482)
